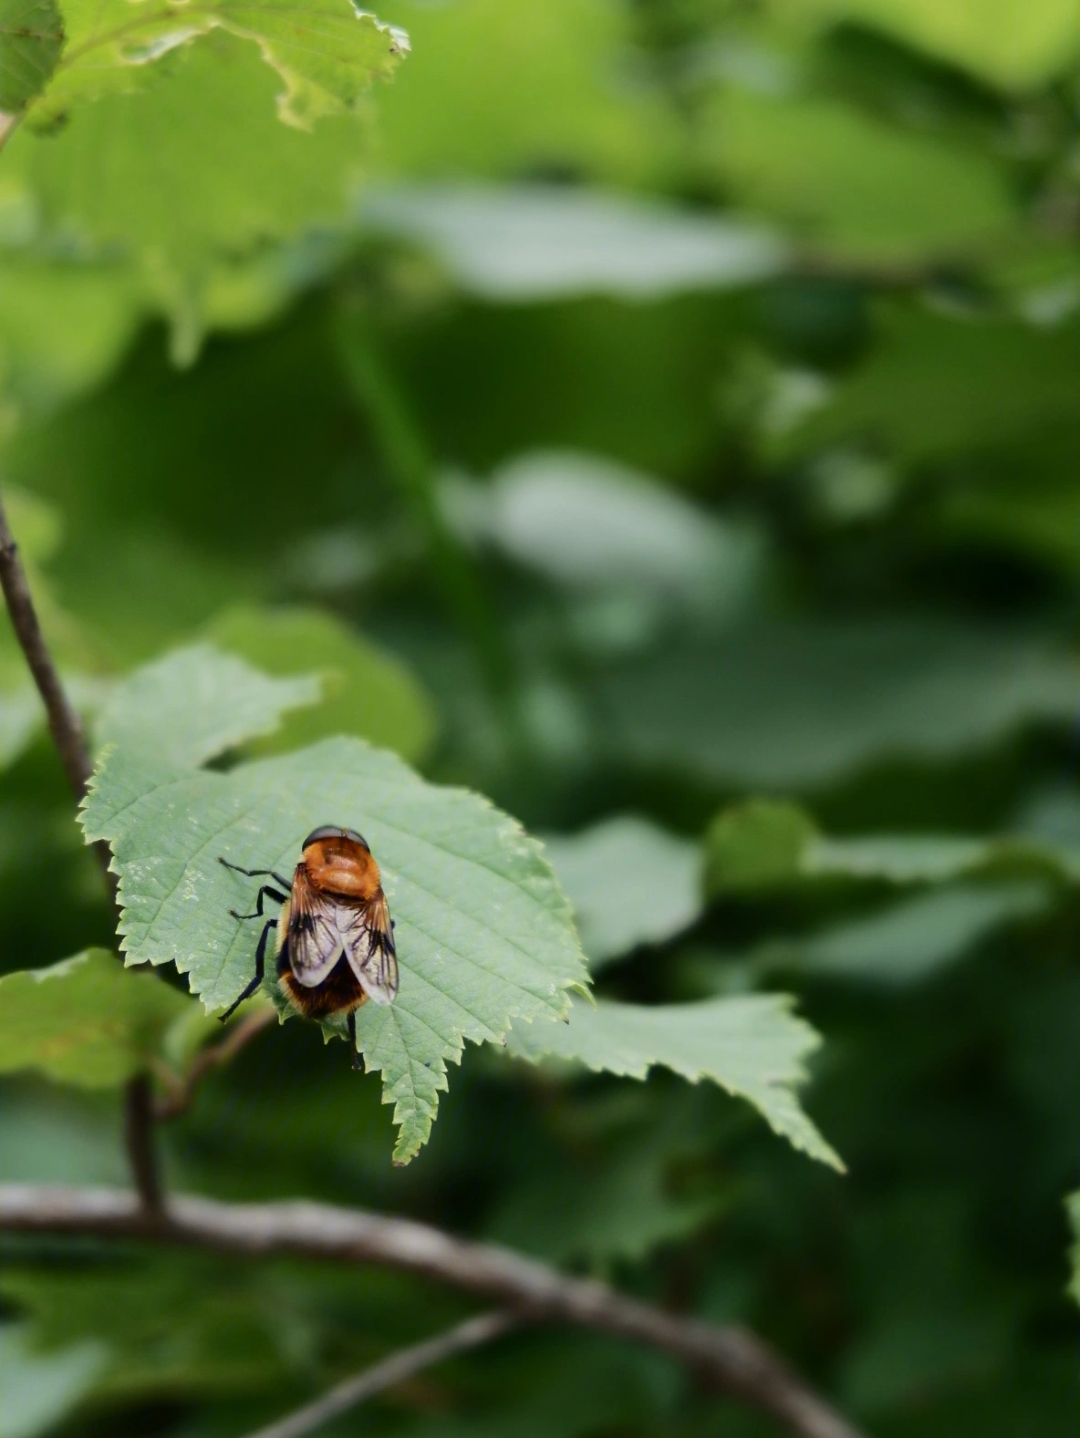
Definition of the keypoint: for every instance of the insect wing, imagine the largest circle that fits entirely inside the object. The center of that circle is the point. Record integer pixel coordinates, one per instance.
(315, 944)
(368, 939)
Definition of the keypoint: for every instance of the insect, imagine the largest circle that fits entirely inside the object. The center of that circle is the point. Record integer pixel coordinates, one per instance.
(335, 937)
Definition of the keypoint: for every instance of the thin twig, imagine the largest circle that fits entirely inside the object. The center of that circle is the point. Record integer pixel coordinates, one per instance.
(181, 1087)
(68, 735)
(730, 1359)
(395, 1369)
(65, 726)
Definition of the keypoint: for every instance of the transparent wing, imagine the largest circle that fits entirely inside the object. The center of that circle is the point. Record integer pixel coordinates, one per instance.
(368, 937)
(315, 943)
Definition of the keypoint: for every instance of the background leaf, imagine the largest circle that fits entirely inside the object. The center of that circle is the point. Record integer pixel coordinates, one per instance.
(195, 703)
(366, 691)
(85, 1020)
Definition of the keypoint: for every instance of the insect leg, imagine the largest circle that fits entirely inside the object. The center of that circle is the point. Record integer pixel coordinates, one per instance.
(254, 873)
(352, 1039)
(260, 968)
(257, 912)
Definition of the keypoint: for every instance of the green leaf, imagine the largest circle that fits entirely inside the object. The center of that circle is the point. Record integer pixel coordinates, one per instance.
(522, 243)
(602, 871)
(911, 940)
(31, 39)
(935, 386)
(854, 186)
(189, 172)
(511, 89)
(1014, 46)
(484, 933)
(755, 845)
(326, 52)
(752, 1046)
(40, 1389)
(367, 692)
(85, 1020)
(196, 703)
(787, 703)
(1072, 1204)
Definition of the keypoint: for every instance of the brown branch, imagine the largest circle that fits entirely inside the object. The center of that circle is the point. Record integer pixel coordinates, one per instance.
(65, 726)
(66, 729)
(395, 1369)
(730, 1359)
(181, 1087)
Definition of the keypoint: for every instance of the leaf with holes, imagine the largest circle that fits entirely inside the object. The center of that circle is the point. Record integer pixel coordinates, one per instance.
(484, 933)
(325, 52)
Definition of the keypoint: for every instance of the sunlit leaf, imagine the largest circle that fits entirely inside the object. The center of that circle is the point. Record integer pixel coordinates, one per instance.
(86, 1020)
(851, 184)
(484, 934)
(197, 702)
(1073, 1205)
(1014, 46)
(326, 53)
(752, 1046)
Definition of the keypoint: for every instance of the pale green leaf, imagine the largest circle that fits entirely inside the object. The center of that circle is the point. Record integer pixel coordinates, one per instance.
(771, 843)
(752, 1046)
(326, 52)
(630, 883)
(40, 1389)
(1013, 45)
(367, 691)
(484, 933)
(86, 1020)
(851, 184)
(526, 243)
(911, 940)
(196, 703)
(191, 171)
(31, 39)
(532, 86)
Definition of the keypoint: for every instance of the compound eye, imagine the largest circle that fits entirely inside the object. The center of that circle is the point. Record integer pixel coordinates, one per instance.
(334, 831)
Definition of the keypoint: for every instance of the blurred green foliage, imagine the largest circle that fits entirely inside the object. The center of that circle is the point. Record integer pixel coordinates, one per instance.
(660, 415)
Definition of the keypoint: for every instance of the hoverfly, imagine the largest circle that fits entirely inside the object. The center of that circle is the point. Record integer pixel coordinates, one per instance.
(335, 937)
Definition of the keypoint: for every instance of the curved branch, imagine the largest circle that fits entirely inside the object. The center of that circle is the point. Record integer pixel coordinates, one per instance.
(731, 1359)
(395, 1369)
